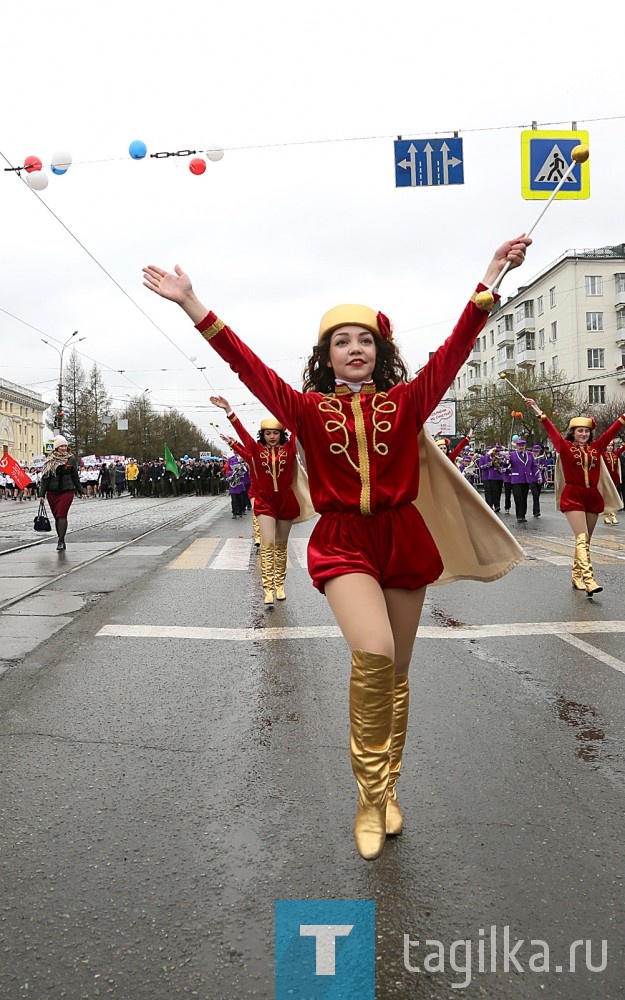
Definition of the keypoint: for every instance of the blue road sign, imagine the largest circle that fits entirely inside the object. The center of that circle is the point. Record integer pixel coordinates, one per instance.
(428, 162)
(545, 158)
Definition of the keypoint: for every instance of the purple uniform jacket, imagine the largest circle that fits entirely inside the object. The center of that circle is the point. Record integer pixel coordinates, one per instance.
(523, 467)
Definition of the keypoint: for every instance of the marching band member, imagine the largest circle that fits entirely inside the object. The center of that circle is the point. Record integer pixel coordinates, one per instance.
(611, 457)
(582, 484)
(523, 472)
(372, 552)
(272, 460)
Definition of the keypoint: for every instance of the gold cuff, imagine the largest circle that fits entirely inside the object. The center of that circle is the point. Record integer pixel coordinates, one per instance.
(484, 300)
(212, 330)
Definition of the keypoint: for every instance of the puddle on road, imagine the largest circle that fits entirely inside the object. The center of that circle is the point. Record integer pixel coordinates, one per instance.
(585, 720)
(444, 619)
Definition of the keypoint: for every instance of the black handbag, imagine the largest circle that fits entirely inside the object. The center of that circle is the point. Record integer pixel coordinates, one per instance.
(42, 522)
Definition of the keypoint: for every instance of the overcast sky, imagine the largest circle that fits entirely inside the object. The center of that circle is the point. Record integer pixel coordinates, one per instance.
(302, 212)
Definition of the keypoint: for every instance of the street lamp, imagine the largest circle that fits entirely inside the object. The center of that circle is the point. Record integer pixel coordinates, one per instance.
(59, 420)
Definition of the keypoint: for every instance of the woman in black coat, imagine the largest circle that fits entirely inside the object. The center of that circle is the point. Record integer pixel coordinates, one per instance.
(59, 482)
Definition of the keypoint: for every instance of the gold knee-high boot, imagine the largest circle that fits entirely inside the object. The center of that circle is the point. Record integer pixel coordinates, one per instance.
(280, 569)
(401, 697)
(266, 570)
(613, 518)
(256, 530)
(607, 519)
(371, 721)
(582, 552)
(577, 579)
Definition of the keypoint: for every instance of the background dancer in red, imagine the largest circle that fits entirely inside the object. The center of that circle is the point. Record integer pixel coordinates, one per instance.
(611, 457)
(583, 490)
(271, 461)
(372, 552)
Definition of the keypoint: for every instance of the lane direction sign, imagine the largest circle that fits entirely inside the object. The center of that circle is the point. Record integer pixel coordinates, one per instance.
(545, 158)
(428, 162)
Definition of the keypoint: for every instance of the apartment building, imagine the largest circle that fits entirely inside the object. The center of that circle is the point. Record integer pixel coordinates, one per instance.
(21, 422)
(571, 318)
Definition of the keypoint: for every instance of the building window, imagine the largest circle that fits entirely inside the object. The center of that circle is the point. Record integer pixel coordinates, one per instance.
(596, 394)
(554, 333)
(484, 344)
(541, 338)
(552, 297)
(485, 369)
(619, 280)
(541, 369)
(505, 324)
(620, 319)
(464, 381)
(525, 310)
(492, 364)
(596, 357)
(594, 284)
(594, 321)
(554, 363)
(540, 303)
(527, 342)
(492, 338)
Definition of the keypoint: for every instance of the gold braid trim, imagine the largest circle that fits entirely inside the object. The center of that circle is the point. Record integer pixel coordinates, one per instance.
(212, 330)
(381, 426)
(363, 456)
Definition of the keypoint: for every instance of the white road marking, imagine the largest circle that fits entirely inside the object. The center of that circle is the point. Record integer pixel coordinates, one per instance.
(234, 555)
(596, 654)
(300, 548)
(197, 555)
(509, 630)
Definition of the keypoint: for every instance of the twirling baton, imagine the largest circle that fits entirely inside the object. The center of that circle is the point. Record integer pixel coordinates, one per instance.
(486, 299)
(512, 385)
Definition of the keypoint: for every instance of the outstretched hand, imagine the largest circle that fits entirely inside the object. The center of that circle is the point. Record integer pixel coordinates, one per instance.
(221, 402)
(175, 287)
(512, 253)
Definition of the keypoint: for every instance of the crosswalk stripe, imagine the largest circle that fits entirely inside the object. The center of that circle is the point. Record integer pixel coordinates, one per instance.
(300, 547)
(197, 555)
(235, 554)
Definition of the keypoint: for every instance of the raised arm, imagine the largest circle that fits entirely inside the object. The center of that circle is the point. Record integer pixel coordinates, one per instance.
(609, 435)
(276, 394)
(243, 433)
(553, 432)
(437, 375)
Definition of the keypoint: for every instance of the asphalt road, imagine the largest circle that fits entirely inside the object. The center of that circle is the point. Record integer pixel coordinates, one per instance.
(174, 759)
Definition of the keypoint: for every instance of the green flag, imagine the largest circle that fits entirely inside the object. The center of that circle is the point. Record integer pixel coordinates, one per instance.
(170, 462)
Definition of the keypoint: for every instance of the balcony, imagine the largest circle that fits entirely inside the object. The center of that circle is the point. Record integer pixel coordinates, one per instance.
(507, 365)
(475, 383)
(525, 357)
(475, 357)
(505, 337)
(525, 325)
(619, 298)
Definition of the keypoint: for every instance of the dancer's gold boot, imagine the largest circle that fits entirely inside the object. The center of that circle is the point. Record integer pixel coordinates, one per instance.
(577, 579)
(613, 518)
(280, 558)
(401, 697)
(582, 551)
(266, 570)
(256, 531)
(607, 519)
(371, 722)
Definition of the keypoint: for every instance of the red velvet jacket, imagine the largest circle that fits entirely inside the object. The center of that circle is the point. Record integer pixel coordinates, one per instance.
(613, 462)
(581, 463)
(271, 469)
(361, 447)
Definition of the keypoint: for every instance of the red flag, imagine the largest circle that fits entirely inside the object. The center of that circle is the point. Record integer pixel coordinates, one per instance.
(13, 469)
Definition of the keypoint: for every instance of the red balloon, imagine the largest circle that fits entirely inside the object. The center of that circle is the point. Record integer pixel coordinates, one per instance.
(32, 163)
(197, 165)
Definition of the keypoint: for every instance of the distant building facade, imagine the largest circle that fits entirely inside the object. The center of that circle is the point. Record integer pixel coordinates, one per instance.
(570, 318)
(21, 422)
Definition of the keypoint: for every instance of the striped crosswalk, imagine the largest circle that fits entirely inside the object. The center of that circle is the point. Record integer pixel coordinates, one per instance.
(239, 554)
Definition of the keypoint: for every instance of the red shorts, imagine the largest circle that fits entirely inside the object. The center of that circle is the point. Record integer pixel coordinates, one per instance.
(60, 503)
(393, 546)
(282, 506)
(585, 498)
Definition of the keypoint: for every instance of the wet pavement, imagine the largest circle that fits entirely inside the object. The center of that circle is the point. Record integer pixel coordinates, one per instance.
(174, 759)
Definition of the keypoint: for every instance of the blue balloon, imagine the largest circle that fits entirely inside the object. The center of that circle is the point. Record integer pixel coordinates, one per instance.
(515, 437)
(137, 149)
(186, 458)
(58, 170)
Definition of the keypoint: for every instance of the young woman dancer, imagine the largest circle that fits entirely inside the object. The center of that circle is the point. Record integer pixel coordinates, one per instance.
(371, 553)
(271, 460)
(582, 491)
(611, 457)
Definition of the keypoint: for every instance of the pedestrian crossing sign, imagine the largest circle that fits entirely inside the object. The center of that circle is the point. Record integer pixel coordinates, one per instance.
(545, 158)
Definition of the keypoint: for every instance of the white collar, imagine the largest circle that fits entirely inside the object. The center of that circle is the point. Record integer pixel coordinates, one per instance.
(354, 386)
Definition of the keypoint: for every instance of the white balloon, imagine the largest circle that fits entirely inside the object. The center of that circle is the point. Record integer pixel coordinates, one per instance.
(61, 159)
(215, 153)
(193, 357)
(37, 180)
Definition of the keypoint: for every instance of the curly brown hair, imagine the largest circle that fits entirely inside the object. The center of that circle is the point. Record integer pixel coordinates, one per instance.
(390, 367)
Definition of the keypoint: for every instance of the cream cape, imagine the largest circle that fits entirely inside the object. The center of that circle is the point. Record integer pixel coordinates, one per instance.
(606, 487)
(472, 541)
(299, 485)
